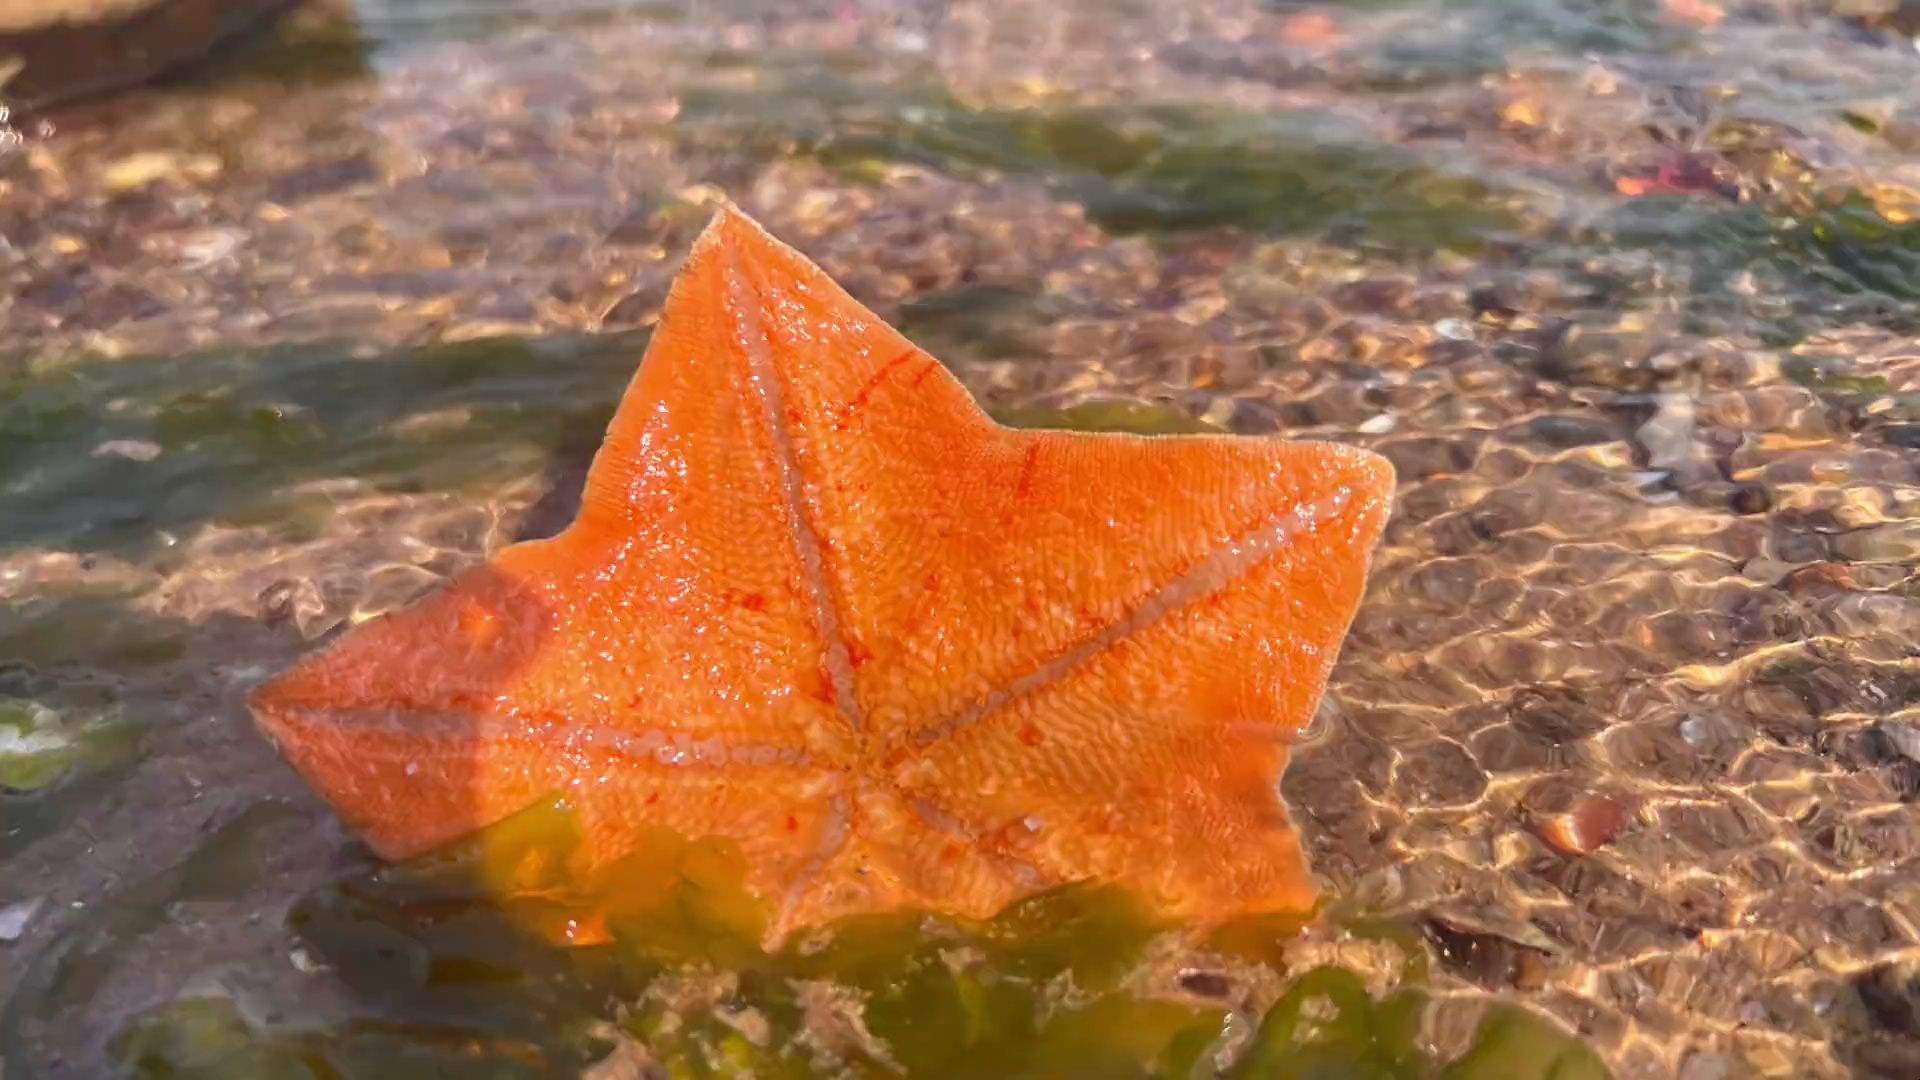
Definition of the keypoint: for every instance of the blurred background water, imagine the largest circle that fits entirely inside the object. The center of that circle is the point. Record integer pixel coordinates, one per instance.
(1625, 735)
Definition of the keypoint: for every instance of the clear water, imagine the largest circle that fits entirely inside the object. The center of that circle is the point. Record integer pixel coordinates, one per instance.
(1625, 291)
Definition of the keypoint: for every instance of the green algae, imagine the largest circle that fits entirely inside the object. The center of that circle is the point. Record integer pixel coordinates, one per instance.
(116, 456)
(989, 321)
(1326, 1024)
(1833, 377)
(208, 1037)
(1164, 168)
(502, 956)
(1849, 245)
(42, 746)
(1150, 167)
(1829, 260)
(1515, 1044)
(64, 627)
(1130, 417)
(62, 742)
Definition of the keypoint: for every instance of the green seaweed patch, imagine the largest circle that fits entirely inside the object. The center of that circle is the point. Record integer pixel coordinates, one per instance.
(1130, 417)
(245, 437)
(1164, 168)
(211, 1038)
(1849, 246)
(979, 320)
(1514, 1044)
(1326, 1024)
(671, 928)
(63, 741)
(42, 746)
(1475, 40)
(1833, 376)
(208, 1037)
(66, 626)
(505, 955)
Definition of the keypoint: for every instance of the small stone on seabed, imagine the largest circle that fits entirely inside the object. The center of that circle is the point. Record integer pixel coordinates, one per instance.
(144, 167)
(1697, 731)
(304, 963)
(1590, 822)
(1706, 1067)
(1210, 984)
(131, 449)
(1904, 735)
(15, 917)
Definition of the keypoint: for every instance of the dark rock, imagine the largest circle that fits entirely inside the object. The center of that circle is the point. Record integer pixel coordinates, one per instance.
(276, 602)
(60, 50)
(1902, 131)
(1555, 714)
(1489, 959)
(1207, 984)
(1892, 998)
(1419, 457)
(1446, 351)
(638, 227)
(1495, 301)
(1373, 295)
(321, 178)
(1900, 18)
(1563, 432)
(1441, 773)
(635, 308)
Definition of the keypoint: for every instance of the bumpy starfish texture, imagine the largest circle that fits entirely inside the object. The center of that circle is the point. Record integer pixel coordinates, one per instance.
(816, 602)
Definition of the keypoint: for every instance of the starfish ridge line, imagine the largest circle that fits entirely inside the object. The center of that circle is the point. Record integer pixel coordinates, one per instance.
(1210, 575)
(643, 746)
(763, 376)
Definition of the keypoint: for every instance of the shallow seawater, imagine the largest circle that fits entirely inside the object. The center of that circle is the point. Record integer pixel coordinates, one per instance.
(1618, 770)
(489, 959)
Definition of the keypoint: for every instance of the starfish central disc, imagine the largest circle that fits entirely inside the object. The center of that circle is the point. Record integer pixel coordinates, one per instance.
(817, 603)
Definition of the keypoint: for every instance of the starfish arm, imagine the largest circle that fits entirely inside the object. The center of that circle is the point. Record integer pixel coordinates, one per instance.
(965, 569)
(679, 614)
(964, 561)
(1204, 837)
(1155, 760)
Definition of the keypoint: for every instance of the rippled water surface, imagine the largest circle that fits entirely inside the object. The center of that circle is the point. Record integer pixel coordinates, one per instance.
(1617, 774)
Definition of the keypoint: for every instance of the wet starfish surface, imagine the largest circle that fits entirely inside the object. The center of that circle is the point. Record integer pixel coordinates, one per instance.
(818, 604)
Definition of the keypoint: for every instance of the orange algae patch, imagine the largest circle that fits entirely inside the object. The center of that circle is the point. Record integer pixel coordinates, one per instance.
(890, 655)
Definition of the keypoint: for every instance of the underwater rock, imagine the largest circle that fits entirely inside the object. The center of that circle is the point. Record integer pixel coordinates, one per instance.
(53, 51)
(17, 916)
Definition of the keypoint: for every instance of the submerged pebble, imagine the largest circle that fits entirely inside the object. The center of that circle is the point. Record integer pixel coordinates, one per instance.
(131, 449)
(1904, 735)
(17, 916)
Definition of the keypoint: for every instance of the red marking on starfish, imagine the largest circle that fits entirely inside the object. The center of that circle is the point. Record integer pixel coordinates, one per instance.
(1027, 465)
(866, 392)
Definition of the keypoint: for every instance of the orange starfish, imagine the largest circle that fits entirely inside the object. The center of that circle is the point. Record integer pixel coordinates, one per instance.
(816, 602)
